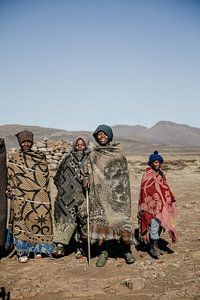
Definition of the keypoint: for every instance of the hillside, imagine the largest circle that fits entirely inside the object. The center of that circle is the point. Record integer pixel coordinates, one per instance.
(8, 133)
(164, 135)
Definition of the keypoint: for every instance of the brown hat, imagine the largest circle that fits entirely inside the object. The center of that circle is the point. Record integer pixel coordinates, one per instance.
(24, 135)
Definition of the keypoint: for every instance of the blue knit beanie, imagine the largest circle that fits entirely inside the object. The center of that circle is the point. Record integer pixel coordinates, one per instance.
(106, 129)
(155, 156)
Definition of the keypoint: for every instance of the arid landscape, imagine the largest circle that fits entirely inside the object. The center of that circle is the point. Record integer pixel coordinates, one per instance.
(66, 68)
(174, 276)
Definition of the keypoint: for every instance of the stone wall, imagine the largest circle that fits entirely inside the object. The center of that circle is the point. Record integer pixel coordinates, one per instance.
(54, 151)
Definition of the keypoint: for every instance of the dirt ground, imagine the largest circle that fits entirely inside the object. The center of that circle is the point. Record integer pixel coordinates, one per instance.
(173, 276)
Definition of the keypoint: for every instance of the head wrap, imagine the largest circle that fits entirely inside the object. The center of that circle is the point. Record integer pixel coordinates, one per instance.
(106, 129)
(24, 135)
(155, 156)
(83, 138)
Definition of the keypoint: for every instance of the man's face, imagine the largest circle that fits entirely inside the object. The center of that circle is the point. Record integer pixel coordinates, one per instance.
(26, 146)
(102, 138)
(156, 164)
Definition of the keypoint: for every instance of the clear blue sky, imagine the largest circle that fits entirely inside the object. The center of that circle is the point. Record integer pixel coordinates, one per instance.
(74, 64)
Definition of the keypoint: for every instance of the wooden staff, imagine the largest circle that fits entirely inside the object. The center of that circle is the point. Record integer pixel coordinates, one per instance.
(88, 226)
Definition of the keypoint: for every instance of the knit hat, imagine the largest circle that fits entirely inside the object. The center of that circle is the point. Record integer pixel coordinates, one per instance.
(83, 138)
(155, 156)
(24, 135)
(106, 129)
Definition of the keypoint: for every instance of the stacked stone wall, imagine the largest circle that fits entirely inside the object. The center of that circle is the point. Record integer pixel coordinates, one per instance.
(55, 151)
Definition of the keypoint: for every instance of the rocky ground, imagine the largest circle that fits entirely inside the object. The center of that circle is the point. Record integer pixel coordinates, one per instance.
(173, 276)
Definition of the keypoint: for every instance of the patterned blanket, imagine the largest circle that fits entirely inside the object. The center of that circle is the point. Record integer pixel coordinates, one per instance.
(70, 201)
(109, 195)
(156, 201)
(28, 179)
(3, 183)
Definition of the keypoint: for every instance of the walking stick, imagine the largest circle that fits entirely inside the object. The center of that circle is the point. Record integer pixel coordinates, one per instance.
(88, 226)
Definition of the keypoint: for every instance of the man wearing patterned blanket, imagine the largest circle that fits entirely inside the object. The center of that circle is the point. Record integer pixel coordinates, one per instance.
(30, 221)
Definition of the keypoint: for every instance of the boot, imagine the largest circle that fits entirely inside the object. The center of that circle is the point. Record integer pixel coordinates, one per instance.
(79, 253)
(101, 261)
(60, 250)
(128, 255)
(154, 250)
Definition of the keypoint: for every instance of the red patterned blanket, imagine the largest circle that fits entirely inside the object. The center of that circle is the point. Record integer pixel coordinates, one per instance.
(156, 201)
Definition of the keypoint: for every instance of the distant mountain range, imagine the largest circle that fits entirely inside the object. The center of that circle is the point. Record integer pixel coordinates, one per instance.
(164, 136)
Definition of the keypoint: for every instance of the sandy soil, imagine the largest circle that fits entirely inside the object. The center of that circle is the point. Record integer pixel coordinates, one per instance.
(173, 276)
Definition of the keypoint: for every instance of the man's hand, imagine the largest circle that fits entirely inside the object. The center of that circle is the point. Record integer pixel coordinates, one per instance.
(86, 183)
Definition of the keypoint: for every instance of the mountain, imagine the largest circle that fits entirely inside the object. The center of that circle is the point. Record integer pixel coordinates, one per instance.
(164, 136)
(175, 134)
(8, 133)
(162, 132)
(127, 130)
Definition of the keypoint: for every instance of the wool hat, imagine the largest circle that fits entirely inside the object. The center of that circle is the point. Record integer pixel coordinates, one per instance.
(24, 135)
(83, 138)
(106, 129)
(155, 156)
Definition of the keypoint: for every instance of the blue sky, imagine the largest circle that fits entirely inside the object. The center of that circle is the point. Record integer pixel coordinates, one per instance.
(74, 64)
